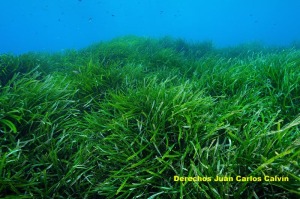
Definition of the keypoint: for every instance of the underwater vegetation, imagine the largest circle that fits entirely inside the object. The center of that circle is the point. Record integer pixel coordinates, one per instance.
(143, 118)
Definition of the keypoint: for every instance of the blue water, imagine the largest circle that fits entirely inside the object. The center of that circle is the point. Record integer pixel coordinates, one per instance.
(56, 25)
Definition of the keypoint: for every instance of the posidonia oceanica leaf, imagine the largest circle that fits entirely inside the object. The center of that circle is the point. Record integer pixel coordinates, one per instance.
(9, 124)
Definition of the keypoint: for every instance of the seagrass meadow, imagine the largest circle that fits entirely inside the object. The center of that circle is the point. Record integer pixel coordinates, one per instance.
(123, 118)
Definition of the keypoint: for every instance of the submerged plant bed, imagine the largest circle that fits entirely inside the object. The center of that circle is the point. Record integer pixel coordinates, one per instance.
(151, 118)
